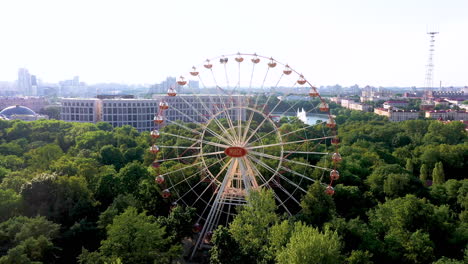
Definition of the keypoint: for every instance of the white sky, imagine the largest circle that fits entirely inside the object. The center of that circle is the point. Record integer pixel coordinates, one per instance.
(375, 42)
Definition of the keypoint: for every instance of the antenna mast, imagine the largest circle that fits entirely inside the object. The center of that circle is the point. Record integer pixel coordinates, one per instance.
(429, 82)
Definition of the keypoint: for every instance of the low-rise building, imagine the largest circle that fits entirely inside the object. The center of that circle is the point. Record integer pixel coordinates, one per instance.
(360, 107)
(33, 103)
(21, 113)
(395, 103)
(397, 115)
(461, 115)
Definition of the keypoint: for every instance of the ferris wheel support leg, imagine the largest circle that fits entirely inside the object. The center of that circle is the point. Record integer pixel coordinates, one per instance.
(208, 226)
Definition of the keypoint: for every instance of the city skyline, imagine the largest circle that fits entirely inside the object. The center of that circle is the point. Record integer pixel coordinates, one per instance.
(378, 43)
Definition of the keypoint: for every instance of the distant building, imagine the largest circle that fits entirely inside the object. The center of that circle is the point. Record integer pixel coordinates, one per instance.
(351, 104)
(448, 115)
(447, 94)
(35, 103)
(370, 94)
(395, 103)
(441, 102)
(81, 110)
(24, 82)
(20, 113)
(397, 115)
(360, 107)
(139, 113)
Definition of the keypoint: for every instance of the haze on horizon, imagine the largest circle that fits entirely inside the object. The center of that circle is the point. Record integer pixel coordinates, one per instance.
(347, 42)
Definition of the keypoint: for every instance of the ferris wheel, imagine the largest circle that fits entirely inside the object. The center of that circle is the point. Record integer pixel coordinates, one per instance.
(237, 123)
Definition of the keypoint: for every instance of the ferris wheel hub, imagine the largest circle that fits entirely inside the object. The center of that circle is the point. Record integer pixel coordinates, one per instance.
(235, 152)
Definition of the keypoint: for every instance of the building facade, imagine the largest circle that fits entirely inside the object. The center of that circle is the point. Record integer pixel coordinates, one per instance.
(395, 103)
(35, 103)
(397, 115)
(81, 110)
(140, 113)
(448, 115)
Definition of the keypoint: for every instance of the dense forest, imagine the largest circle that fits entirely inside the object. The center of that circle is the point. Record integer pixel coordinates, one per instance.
(85, 193)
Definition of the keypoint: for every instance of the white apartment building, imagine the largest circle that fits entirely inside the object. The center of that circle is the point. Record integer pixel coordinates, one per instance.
(397, 115)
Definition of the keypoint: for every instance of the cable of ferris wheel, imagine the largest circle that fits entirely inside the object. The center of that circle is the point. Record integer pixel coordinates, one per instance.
(303, 128)
(210, 112)
(193, 156)
(287, 143)
(207, 120)
(226, 75)
(264, 78)
(266, 166)
(178, 147)
(184, 168)
(191, 187)
(261, 163)
(287, 160)
(196, 140)
(265, 117)
(306, 152)
(267, 186)
(197, 123)
(229, 120)
(212, 181)
(300, 175)
(231, 126)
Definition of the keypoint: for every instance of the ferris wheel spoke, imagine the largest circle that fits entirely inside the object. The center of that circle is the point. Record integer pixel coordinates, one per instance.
(197, 173)
(217, 186)
(214, 118)
(194, 186)
(300, 129)
(266, 166)
(178, 147)
(265, 77)
(226, 75)
(253, 133)
(297, 173)
(306, 152)
(267, 186)
(287, 143)
(206, 120)
(228, 118)
(196, 140)
(197, 123)
(193, 156)
(181, 169)
(286, 160)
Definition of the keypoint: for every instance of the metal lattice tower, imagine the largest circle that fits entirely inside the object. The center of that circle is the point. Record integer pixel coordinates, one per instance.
(429, 82)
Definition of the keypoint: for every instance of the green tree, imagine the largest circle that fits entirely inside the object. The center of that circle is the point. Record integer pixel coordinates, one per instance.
(10, 202)
(359, 257)
(225, 250)
(424, 174)
(138, 238)
(309, 245)
(409, 166)
(396, 184)
(131, 175)
(317, 206)
(40, 158)
(27, 240)
(111, 155)
(250, 227)
(438, 176)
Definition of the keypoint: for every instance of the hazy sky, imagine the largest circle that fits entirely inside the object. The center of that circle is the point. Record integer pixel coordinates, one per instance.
(375, 42)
